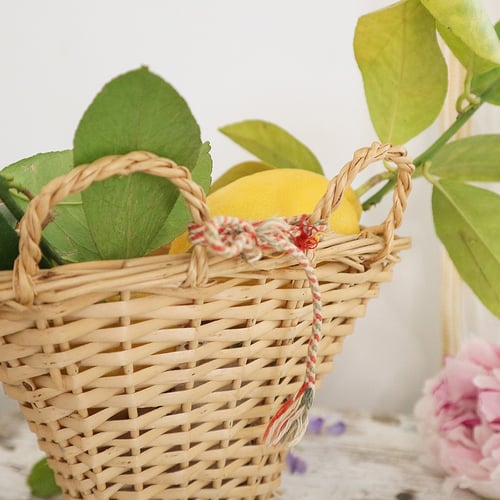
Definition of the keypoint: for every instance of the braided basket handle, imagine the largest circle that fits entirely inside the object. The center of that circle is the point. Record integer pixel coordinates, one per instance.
(77, 180)
(361, 159)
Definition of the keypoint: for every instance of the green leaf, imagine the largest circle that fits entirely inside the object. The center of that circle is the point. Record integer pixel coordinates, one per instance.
(68, 233)
(403, 70)
(135, 111)
(41, 480)
(237, 171)
(180, 217)
(475, 158)
(487, 86)
(272, 144)
(469, 59)
(466, 221)
(468, 21)
(9, 241)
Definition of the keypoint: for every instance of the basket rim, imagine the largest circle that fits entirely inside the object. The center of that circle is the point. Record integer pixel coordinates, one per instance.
(37, 214)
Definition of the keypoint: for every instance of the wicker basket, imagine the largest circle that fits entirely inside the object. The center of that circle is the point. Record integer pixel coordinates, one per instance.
(155, 377)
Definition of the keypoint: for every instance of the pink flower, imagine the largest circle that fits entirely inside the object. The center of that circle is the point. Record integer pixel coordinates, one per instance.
(459, 417)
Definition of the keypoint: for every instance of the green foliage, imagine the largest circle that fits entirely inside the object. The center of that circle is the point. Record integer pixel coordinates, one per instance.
(469, 59)
(466, 221)
(179, 217)
(273, 145)
(404, 73)
(404, 76)
(41, 480)
(68, 233)
(135, 111)
(475, 158)
(405, 80)
(8, 242)
(124, 216)
(467, 21)
(487, 85)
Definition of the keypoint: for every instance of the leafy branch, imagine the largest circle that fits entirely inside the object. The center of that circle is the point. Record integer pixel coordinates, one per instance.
(406, 31)
(405, 77)
(429, 153)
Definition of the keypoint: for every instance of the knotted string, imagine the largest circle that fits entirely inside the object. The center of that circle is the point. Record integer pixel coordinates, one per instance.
(230, 237)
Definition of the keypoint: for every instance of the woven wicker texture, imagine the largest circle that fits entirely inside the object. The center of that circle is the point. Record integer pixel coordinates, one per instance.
(155, 377)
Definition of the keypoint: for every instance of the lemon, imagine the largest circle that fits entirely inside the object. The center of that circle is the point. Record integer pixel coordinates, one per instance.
(279, 192)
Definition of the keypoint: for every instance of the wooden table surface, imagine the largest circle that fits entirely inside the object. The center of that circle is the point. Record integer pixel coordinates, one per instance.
(375, 458)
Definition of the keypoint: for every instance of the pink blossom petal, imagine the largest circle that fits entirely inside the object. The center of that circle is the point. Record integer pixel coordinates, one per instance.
(424, 409)
(481, 352)
(492, 447)
(462, 435)
(487, 382)
(459, 375)
(489, 405)
(458, 459)
(459, 417)
(482, 434)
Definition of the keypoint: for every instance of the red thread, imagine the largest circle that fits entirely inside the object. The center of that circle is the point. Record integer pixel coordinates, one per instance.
(282, 409)
(307, 239)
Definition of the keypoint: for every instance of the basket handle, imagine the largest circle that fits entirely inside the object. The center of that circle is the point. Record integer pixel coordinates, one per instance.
(361, 159)
(37, 214)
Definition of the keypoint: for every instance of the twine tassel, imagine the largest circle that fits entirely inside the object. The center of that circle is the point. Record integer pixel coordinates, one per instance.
(290, 422)
(230, 236)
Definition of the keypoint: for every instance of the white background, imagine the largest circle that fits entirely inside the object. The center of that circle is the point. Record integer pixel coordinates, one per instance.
(287, 61)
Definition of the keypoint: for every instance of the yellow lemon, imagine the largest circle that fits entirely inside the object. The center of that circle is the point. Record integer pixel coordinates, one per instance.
(279, 192)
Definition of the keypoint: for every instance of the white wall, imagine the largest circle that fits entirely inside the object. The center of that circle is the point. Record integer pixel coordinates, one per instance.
(286, 61)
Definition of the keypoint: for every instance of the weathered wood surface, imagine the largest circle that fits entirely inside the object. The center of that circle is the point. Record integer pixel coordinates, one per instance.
(377, 458)
(374, 459)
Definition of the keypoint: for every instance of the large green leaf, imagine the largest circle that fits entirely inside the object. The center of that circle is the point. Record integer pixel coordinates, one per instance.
(272, 144)
(404, 72)
(475, 158)
(466, 221)
(68, 233)
(179, 217)
(469, 59)
(468, 21)
(135, 111)
(9, 242)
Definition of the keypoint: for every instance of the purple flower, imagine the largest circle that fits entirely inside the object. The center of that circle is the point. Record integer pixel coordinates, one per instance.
(295, 464)
(315, 425)
(331, 425)
(336, 429)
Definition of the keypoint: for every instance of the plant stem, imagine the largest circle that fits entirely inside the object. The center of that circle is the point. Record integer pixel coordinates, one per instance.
(424, 157)
(50, 255)
(375, 198)
(445, 137)
(373, 181)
